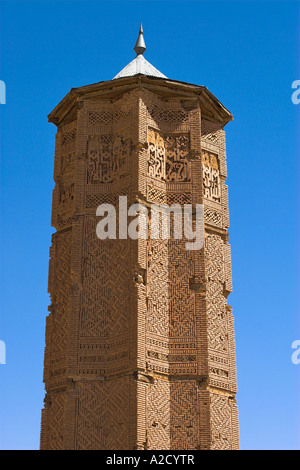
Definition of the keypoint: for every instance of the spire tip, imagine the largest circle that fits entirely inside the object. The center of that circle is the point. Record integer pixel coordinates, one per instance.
(140, 46)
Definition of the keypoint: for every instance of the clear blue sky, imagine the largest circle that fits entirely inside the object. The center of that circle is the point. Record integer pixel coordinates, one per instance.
(247, 54)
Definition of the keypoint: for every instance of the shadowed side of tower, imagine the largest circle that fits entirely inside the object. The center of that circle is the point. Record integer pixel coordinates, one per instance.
(139, 339)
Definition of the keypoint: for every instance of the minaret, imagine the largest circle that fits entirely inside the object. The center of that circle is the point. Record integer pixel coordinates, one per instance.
(140, 350)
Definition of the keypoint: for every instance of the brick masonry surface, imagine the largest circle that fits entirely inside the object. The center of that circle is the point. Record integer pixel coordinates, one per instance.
(140, 350)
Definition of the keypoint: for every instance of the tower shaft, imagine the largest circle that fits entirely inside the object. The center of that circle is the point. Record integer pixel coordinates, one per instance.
(139, 339)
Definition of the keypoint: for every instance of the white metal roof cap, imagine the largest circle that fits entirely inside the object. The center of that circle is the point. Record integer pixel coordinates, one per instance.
(139, 65)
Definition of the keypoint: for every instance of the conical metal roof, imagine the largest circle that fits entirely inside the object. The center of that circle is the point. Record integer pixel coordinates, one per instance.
(139, 65)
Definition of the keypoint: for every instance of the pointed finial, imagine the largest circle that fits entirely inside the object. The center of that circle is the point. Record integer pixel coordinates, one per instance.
(140, 46)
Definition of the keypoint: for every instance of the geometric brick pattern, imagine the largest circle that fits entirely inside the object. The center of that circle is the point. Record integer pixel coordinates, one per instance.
(158, 415)
(184, 415)
(103, 415)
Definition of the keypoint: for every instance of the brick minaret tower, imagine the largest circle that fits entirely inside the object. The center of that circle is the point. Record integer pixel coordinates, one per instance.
(140, 347)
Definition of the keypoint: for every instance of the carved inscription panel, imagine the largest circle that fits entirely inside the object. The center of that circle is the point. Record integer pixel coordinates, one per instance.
(108, 158)
(211, 176)
(168, 156)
